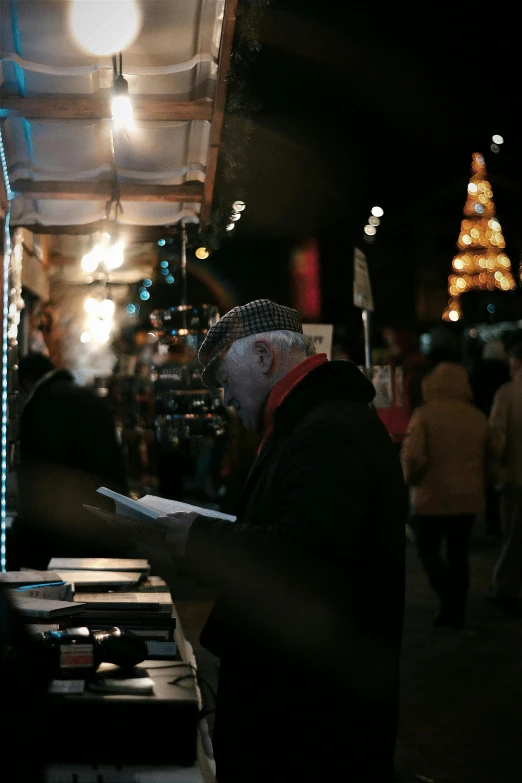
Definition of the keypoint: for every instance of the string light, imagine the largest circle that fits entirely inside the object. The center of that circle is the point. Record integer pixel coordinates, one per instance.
(482, 263)
(238, 208)
(107, 253)
(5, 356)
(374, 220)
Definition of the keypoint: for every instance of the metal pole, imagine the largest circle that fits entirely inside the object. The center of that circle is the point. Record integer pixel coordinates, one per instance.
(184, 274)
(367, 346)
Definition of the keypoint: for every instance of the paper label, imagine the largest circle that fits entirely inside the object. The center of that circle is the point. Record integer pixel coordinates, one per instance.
(67, 686)
(161, 648)
(76, 656)
(362, 290)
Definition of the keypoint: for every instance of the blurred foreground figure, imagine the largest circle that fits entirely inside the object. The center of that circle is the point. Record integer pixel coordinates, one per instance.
(23, 684)
(68, 448)
(506, 420)
(310, 578)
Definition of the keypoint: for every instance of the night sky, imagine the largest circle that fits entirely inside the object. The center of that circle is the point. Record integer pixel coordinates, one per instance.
(368, 106)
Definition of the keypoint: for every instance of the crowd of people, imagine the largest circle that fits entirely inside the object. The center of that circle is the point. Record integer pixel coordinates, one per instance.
(309, 580)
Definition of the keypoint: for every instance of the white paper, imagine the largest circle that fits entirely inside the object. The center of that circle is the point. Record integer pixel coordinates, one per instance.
(164, 506)
(152, 506)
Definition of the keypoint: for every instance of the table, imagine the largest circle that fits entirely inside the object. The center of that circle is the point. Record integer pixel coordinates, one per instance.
(203, 771)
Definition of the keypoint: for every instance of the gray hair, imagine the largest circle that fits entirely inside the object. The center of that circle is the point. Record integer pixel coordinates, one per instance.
(282, 340)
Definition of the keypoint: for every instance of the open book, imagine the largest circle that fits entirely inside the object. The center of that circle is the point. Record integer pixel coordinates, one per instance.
(151, 507)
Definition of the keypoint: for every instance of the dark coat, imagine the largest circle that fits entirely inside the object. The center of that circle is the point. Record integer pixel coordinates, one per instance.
(68, 448)
(311, 582)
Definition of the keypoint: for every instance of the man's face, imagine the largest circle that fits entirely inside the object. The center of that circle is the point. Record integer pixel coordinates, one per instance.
(246, 384)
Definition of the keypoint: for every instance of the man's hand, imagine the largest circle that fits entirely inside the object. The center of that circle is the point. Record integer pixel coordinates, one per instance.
(177, 526)
(169, 531)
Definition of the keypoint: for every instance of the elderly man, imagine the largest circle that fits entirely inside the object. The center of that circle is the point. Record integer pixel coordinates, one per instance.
(310, 578)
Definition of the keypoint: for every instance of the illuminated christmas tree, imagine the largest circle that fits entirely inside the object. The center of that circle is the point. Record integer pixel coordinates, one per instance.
(481, 263)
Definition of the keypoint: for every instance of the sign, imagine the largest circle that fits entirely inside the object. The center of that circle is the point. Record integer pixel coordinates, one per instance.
(322, 335)
(362, 290)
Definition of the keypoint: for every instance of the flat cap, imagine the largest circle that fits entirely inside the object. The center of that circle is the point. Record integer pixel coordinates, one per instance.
(256, 317)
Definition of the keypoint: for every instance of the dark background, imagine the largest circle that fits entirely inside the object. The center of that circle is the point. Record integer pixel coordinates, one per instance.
(363, 105)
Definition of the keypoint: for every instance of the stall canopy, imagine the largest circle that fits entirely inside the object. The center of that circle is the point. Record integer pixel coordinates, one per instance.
(70, 165)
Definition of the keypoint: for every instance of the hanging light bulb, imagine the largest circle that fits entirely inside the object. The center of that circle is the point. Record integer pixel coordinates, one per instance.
(91, 305)
(238, 206)
(106, 308)
(104, 28)
(113, 256)
(122, 111)
(91, 259)
(202, 253)
(89, 263)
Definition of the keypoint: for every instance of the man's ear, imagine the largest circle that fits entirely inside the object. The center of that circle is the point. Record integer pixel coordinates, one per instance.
(264, 355)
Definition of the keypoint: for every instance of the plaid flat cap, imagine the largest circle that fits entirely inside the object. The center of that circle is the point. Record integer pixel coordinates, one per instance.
(256, 317)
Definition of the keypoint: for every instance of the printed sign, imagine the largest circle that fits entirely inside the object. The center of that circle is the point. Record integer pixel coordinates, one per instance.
(362, 290)
(322, 335)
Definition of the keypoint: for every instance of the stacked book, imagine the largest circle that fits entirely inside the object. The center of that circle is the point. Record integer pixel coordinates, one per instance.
(122, 592)
(43, 599)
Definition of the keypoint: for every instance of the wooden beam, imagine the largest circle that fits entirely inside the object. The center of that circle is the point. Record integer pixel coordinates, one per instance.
(58, 107)
(44, 247)
(131, 233)
(227, 38)
(87, 191)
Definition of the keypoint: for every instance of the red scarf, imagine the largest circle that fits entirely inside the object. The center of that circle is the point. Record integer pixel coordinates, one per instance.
(284, 387)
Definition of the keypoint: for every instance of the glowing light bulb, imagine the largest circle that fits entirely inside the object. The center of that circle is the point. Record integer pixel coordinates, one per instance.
(106, 308)
(104, 28)
(122, 111)
(91, 305)
(113, 256)
(90, 262)
(202, 253)
(238, 206)
(377, 211)
(496, 139)
(453, 315)
(370, 230)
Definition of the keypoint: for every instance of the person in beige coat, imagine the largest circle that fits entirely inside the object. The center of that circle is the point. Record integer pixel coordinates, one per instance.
(506, 420)
(444, 457)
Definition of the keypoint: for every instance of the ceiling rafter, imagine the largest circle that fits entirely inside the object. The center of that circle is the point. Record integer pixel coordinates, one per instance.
(227, 38)
(130, 232)
(60, 107)
(88, 191)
